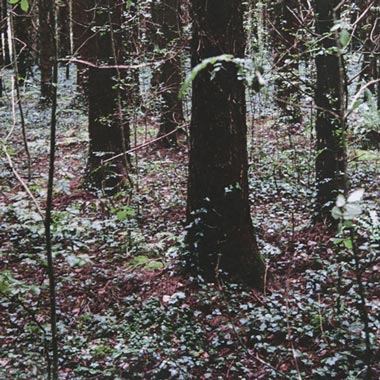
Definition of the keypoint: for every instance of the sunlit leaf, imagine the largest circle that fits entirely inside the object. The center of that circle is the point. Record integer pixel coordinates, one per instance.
(24, 5)
(201, 66)
(336, 213)
(340, 200)
(355, 196)
(344, 38)
(348, 243)
(357, 104)
(352, 210)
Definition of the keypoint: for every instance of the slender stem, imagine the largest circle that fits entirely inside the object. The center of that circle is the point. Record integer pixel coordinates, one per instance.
(343, 98)
(49, 200)
(22, 182)
(19, 103)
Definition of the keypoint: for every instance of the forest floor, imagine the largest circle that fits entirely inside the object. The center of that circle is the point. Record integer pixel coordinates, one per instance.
(126, 310)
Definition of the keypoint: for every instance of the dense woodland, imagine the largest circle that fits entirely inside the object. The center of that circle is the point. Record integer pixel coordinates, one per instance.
(189, 189)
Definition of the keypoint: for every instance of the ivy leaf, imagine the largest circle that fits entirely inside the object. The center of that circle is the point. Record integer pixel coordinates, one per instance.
(348, 243)
(78, 260)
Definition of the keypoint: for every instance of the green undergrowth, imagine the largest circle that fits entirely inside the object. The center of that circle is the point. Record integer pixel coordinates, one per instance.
(125, 308)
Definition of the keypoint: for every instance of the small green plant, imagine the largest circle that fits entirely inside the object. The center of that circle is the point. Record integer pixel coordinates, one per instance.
(24, 4)
(358, 256)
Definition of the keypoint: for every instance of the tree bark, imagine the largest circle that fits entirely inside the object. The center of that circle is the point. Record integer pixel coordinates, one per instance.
(22, 24)
(133, 48)
(46, 50)
(108, 128)
(220, 237)
(63, 19)
(81, 23)
(166, 17)
(331, 160)
(286, 61)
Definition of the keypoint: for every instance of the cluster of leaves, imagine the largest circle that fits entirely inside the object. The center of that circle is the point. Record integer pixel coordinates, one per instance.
(24, 4)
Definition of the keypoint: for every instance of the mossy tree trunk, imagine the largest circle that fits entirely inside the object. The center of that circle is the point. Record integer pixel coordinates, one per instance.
(221, 237)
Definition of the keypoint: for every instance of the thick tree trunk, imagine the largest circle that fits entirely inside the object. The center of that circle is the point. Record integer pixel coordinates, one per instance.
(46, 50)
(166, 17)
(22, 24)
(133, 48)
(63, 19)
(108, 129)
(220, 233)
(331, 160)
(81, 24)
(286, 52)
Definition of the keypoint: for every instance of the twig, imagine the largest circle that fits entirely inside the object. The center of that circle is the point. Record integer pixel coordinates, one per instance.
(321, 319)
(356, 97)
(108, 67)
(19, 104)
(266, 279)
(22, 182)
(140, 146)
(13, 110)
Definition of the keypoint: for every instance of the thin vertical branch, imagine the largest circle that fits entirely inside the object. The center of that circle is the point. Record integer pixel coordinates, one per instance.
(53, 372)
(18, 97)
(343, 97)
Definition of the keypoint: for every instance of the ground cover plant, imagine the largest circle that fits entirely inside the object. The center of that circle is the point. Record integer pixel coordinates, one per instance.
(140, 239)
(126, 310)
